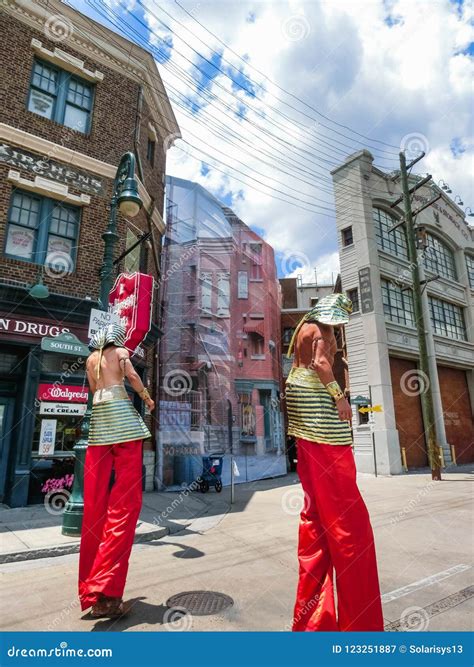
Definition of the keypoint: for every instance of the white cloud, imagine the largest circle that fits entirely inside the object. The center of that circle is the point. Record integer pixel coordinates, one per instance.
(384, 81)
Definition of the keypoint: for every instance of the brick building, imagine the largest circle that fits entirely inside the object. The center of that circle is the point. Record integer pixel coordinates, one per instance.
(381, 336)
(220, 350)
(75, 97)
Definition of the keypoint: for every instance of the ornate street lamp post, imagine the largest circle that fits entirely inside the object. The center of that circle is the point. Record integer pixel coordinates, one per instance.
(125, 197)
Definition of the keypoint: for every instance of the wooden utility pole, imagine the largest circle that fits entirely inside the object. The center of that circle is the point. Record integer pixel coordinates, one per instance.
(425, 381)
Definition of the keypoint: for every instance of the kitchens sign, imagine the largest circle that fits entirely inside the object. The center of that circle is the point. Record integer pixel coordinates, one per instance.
(44, 166)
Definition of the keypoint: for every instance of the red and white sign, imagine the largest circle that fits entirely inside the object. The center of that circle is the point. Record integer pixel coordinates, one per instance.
(131, 298)
(62, 393)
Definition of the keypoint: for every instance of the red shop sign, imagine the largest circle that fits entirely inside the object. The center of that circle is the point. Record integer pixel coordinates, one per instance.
(131, 298)
(62, 392)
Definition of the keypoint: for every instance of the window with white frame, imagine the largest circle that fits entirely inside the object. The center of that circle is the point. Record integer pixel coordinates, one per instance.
(223, 294)
(206, 292)
(60, 96)
(398, 303)
(438, 258)
(347, 237)
(394, 242)
(447, 319)
(243, 285)
(470, 269)
(42, 230)
(353, 295)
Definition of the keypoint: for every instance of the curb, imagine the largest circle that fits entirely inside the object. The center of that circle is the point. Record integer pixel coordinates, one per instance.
(66, 549)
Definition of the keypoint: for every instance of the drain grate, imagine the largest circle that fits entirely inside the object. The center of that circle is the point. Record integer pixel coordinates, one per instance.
(200, 603)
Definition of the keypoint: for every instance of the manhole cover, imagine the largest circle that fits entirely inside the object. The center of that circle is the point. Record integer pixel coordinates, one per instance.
(200, 603)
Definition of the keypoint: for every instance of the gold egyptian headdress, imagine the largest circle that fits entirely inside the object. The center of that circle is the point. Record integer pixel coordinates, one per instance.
(333, 309)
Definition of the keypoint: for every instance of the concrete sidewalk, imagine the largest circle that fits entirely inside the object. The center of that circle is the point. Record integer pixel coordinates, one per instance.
(32, 532)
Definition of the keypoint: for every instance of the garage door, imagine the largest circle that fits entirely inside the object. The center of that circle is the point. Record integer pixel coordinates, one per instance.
(457, 412)
(408, 415)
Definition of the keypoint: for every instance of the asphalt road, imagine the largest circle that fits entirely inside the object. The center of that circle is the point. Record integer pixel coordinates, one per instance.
(424, 540)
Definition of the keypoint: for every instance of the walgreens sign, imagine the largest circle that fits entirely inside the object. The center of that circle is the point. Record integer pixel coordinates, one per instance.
(62, 393)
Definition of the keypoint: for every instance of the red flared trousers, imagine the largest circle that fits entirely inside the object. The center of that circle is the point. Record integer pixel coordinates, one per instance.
(110, 518)
(334, 534)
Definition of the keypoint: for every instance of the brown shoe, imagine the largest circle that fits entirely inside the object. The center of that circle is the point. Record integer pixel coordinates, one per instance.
(108, 607)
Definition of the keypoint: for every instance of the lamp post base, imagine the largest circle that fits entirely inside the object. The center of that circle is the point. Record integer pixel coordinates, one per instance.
(72, 517)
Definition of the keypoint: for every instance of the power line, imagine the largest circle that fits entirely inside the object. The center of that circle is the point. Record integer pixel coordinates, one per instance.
(232, 118)
(309, 106)
(277, 125)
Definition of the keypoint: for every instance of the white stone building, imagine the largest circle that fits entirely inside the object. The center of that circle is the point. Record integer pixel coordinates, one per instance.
(382, 343)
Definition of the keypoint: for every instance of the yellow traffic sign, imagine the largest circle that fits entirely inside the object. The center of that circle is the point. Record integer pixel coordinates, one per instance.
(372, 408)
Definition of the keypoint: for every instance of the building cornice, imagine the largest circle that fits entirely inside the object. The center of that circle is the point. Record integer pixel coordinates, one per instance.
(106, 47)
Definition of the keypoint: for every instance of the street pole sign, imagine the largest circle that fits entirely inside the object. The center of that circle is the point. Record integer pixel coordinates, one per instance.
(65, 343)
(100, 318)
(361, 400)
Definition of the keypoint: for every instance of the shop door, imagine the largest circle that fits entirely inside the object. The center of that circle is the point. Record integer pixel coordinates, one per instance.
(408, 415)
(6, 421)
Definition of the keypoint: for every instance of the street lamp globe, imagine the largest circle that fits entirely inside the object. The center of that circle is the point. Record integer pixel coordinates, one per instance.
(129, 201)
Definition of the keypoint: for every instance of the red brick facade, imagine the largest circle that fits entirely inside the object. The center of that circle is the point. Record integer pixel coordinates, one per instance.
(124, 118)
(114, 117)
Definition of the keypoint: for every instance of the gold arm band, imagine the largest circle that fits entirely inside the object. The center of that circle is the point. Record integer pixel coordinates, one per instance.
(335, 390)
(144, 394)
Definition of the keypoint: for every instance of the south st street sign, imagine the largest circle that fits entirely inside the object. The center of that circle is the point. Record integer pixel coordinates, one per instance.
(65, 343)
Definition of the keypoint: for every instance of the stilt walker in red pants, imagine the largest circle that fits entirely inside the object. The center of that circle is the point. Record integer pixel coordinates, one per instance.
(335, 534)
(115, 441)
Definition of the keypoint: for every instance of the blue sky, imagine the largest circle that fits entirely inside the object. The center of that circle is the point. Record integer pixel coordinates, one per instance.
(395, 71)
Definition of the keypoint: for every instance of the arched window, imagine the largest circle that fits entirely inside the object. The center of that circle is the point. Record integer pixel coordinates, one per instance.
(439, 258)
(394, 242)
